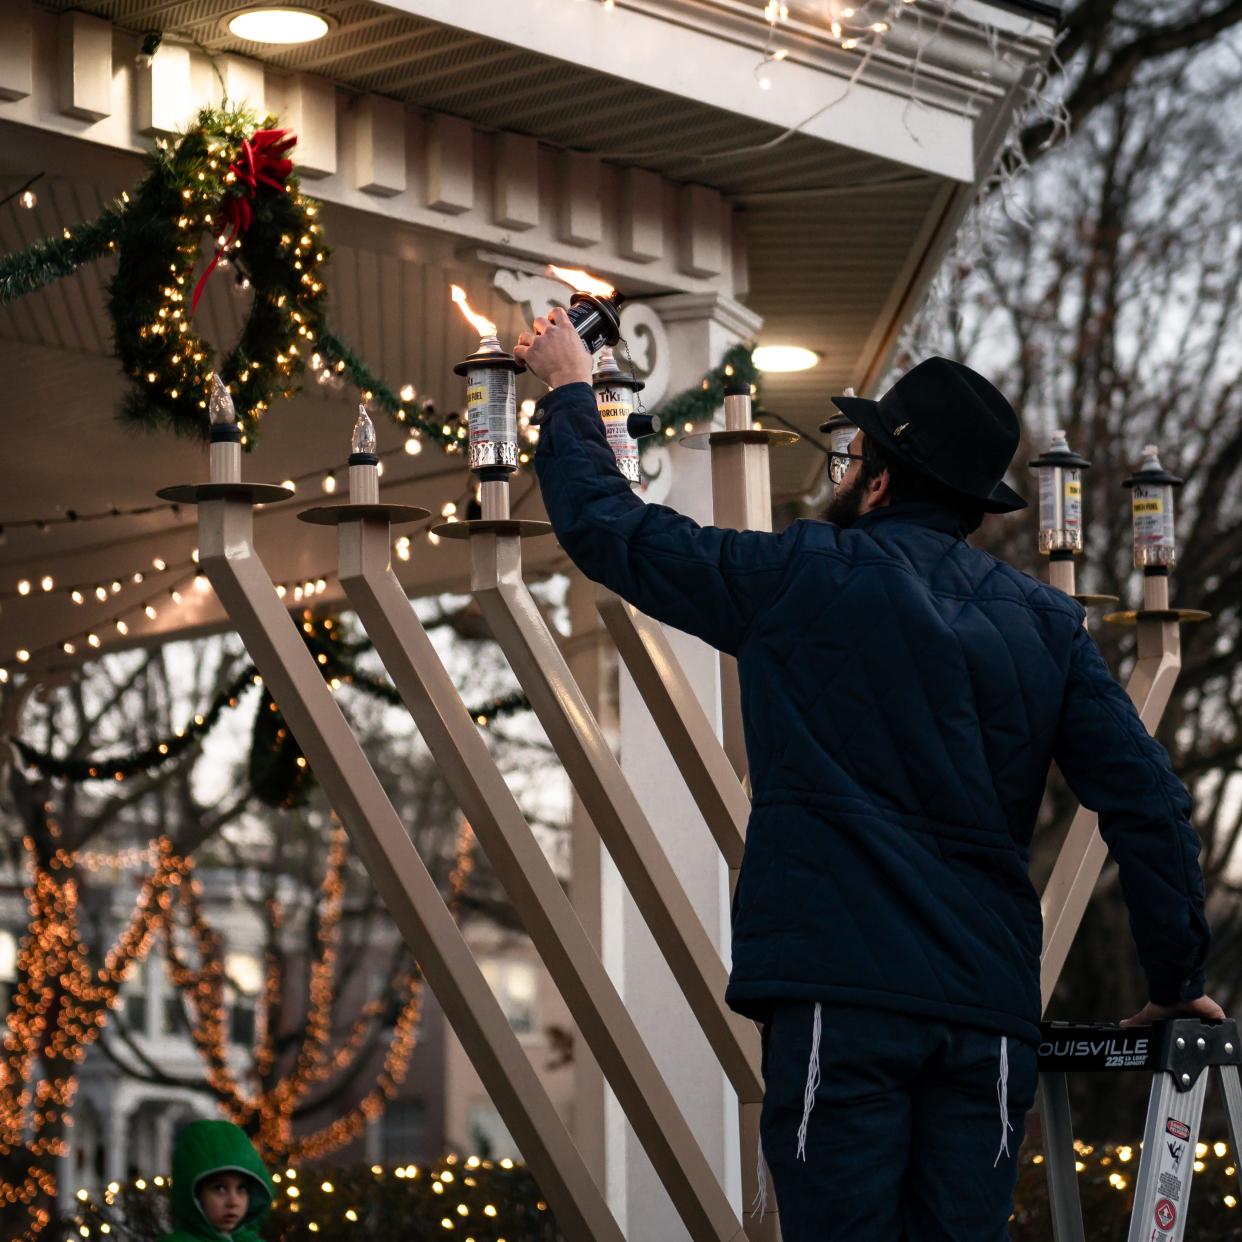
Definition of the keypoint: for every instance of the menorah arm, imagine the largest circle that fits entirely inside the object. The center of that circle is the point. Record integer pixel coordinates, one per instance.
(1068, 889)
(226, 536)
(536, 659)
(538, 898)
(682, 723)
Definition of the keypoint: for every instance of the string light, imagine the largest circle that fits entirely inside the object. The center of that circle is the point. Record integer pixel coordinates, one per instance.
(847, 34)
(270, 1111)
(60, 1005)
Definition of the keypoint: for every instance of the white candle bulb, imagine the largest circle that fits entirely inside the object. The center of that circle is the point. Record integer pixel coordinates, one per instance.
(364, 433)
(220, 404)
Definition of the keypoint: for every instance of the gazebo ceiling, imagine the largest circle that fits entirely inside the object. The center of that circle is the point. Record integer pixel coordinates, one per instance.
(838, 243)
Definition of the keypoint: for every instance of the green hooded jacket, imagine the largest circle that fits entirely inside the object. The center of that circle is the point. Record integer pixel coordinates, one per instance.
(203, 1148)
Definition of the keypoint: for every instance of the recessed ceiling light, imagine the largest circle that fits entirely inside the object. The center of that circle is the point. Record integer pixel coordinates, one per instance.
(278, 25)
(784, 358)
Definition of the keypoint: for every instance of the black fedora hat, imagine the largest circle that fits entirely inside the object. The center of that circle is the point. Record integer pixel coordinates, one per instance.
(948, 423)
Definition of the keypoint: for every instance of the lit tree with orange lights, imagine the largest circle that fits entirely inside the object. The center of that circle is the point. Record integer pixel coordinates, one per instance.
(316, 1045)
(73, 958)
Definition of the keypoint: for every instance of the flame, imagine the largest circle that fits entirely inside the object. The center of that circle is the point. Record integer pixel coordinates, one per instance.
(582, 281)
(482, 325)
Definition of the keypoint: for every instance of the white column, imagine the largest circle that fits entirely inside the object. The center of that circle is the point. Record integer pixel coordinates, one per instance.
(593, 663)
(117, 1121)
(699, 329)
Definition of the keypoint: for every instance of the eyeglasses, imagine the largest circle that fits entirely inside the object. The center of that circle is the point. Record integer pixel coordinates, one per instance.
(839, 464)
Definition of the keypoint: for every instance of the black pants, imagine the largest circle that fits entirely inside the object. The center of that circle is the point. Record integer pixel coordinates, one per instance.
(903, 1139)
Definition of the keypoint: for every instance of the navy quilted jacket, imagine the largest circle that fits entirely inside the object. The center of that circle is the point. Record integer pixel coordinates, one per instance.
(904, 697)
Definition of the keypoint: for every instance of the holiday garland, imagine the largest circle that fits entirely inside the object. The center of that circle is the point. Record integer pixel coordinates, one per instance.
(149, 758)
(278, 771)
(229, 177)
(699, 404)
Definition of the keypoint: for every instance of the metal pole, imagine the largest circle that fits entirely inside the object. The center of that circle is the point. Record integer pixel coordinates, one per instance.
(1064, 1205)
(520, 864)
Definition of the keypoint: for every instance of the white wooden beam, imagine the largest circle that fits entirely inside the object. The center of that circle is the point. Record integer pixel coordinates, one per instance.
(581, 216)
(165, 92)
(16, 49)
(450, 165)
(85, 66)
(379, 145)
(870, 115)
(309, 109)
(432, 172)
(515, 181)
(243, 82)
(642, 215)
(701, 235)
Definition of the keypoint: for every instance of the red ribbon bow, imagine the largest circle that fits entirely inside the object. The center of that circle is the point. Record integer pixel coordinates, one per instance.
(262, 162)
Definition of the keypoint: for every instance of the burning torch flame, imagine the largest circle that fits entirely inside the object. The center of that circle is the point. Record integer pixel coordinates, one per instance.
(582, 281)
(482, 325)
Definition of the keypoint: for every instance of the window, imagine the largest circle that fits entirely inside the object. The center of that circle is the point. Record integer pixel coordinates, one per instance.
(8, 969)
(134, 995)
(172, 1015)
(403, 1131)
(515, 984)
(243, 1021)
(244, 972)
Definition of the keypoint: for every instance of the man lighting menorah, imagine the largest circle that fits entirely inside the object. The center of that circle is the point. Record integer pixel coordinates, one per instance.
(904, 696)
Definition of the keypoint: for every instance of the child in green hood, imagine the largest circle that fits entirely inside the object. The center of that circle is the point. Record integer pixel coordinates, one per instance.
(220, 1187)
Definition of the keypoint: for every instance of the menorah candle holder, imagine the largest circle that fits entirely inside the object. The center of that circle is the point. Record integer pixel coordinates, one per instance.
(463, 759)
(244, 587)
(1061, 534)
(623, 426)
(1150, 686)
(491, 407)
(1152, 490)
(682, 722)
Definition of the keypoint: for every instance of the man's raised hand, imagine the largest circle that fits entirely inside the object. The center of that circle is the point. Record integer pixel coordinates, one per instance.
(554, 352)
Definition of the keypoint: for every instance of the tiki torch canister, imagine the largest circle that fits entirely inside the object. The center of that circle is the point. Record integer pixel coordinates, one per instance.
(1060, 498)
(840, 431)
(491, 398)
(594, 310)
(597, 320)
(614, 396)
(1151, 507)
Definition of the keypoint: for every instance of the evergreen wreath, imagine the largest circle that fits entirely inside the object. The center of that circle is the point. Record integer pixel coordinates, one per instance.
(229, 177)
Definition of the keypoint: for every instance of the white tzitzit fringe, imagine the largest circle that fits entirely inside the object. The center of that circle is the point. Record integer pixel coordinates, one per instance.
(812, 1082)
(1002, 1098)
(759, 1207)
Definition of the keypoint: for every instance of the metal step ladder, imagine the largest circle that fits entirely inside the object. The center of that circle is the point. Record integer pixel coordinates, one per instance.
(1180, 1055)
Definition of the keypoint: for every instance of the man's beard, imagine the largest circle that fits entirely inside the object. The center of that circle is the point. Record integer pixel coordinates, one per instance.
(845, 507)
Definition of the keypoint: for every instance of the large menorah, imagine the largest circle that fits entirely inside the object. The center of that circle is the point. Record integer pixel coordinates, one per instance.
(710, 766)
